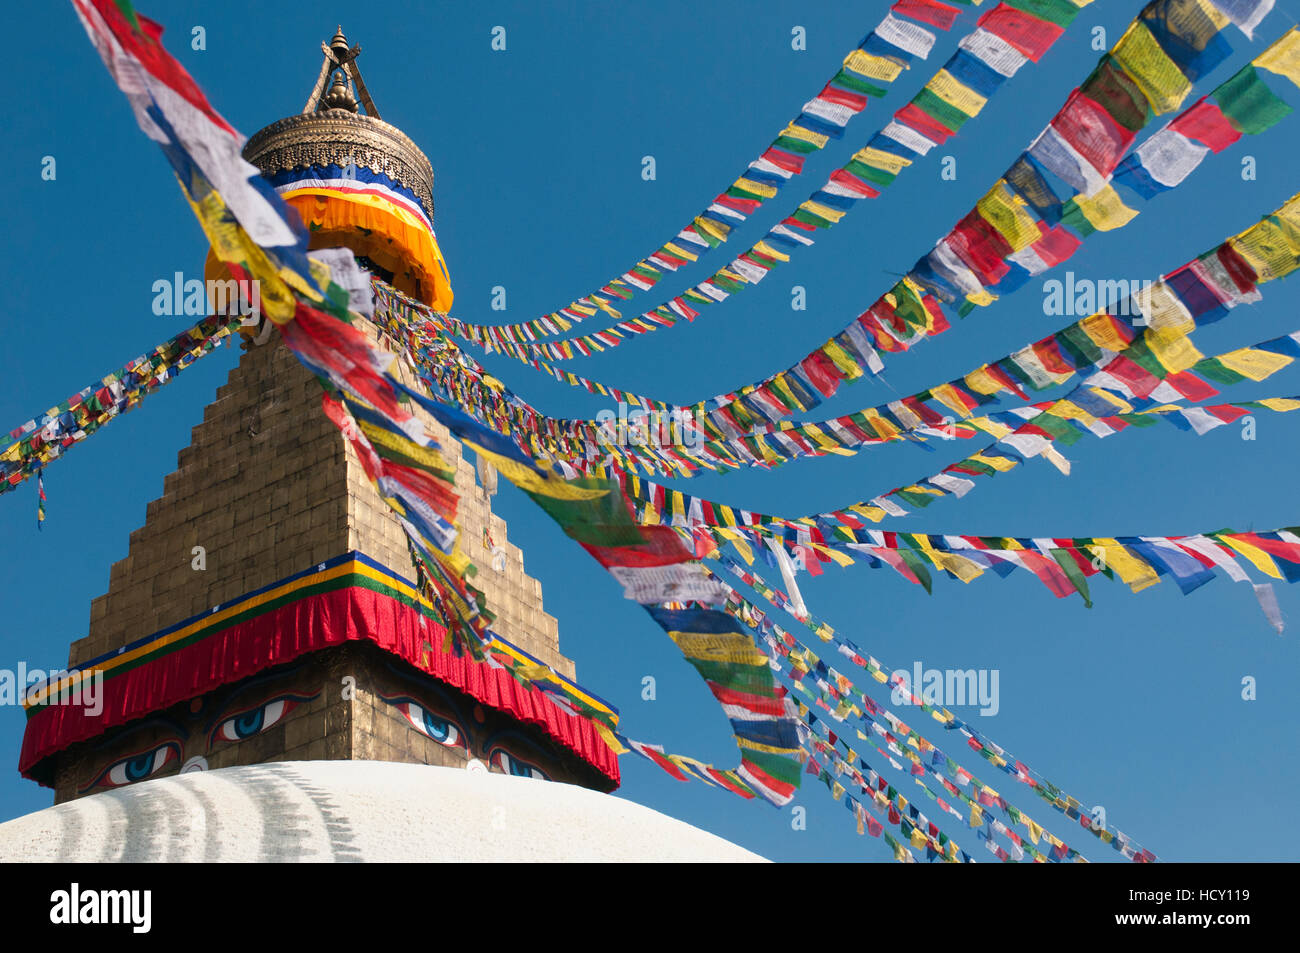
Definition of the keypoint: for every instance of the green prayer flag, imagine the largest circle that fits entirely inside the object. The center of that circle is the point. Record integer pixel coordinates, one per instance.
(1249, 104)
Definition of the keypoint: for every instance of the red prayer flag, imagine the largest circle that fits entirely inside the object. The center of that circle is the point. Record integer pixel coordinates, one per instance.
(842, 97)
(1139, 380)
(928, 11)
(1027, 33)
(851, 181)
(1205, 123)
(1093, 132)
(744, 206)
(974, 242)
(1191, 386)
(914, 117)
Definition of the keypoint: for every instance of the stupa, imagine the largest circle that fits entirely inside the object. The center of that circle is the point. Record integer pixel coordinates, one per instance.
(266, 611)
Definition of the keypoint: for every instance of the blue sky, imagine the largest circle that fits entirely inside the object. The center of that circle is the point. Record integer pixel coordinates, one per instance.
(1134, 705)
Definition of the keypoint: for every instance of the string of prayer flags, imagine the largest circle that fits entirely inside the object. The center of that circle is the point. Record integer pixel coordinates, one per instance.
(46, 437)
(683, 768)
(916, 828)
(1202, 290)
(916, 756)
(985, 253)
(202, 147)
(802, 665)
(1022, 434)
(866, 72)
(249, 227)
(1242, 105)
(958, 91)
(653, 566)
(661, 574)
(1062, 565)
(1020, 229)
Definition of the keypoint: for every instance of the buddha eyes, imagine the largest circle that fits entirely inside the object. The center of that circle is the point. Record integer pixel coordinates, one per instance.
(428, 724)
(255, 720)
(447, 732)
(138, 767)
(509, 764)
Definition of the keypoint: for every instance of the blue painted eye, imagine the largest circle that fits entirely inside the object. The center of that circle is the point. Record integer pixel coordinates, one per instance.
(138, 767)
(509, 764)
(437, 728)
(430, 725)
(254, 721)
(249, 723)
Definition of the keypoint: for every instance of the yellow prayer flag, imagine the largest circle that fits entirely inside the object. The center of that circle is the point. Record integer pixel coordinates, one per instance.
(881, 426)
(1105, 210)
(962, 98)
(1135, 573)
(1174, 351)
(947, 395)
(872, 67)
(880, 159)
(763, 248)
(807, 135)
(1280, 404)
(1258, 558)
(1283, 57)
(1272, 248)
(961, 567)
(607, 736)
(823, 211)
(677, 251)
(782, 387)
(988, 425)
(528, 479)
(758, 746)
(841, 359)
(1001, 464)
(1068, 410)
(710, 227)
(1163, 310)
(843, 560)
(1253, 363)
(426, 457)
(929, 490)
(1156, 75)
(1121, 406)
(873, 513)
(756, 188)
(732, 648)
(982, 382)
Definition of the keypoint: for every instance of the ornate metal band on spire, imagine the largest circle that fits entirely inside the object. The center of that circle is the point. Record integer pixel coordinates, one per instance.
(331, 130)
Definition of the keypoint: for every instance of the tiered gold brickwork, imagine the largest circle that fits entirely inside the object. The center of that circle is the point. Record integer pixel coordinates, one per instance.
(268, 488)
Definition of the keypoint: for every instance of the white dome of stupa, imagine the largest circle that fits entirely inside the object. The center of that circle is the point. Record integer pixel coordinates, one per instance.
(355, 811)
